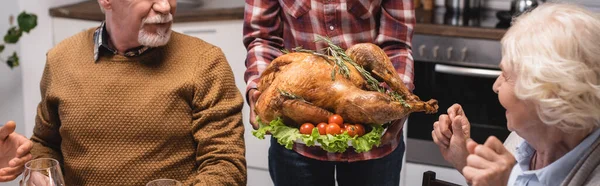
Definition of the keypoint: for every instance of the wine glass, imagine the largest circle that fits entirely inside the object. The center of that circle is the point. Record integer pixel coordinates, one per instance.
(164, 182)
(42, 172)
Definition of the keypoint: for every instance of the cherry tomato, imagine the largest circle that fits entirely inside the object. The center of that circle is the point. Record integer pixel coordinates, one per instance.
(333, 129)
(343, 126)
(337, 119)
(307, 128)
(322, 128)
(351, 129)
(360, 129)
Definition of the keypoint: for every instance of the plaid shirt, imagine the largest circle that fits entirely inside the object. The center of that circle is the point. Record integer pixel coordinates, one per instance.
(101, 39)
(271, 25)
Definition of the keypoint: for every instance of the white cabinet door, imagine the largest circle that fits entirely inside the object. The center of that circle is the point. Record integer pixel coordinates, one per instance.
(228, 36)
(63, 28)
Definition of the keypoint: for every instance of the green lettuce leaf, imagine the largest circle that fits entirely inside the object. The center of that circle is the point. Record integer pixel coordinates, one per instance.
(286, 136)
(366, 142)
(337, 143)
(312, 138)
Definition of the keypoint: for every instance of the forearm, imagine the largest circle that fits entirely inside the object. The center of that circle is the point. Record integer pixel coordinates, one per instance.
(46, 140)
(221, 151)
(263, 32)
(217, 125)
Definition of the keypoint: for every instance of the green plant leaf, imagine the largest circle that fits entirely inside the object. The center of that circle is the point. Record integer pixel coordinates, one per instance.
(26, 21)
(13, 35)
(1, 48)
(13, 61)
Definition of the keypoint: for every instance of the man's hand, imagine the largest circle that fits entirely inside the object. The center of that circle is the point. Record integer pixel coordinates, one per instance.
(14, 152)
(253, 94)
(37, 178)
(450, 133)
(488, 164)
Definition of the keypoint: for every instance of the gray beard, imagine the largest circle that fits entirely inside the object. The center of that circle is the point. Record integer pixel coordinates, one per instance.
(160, 38)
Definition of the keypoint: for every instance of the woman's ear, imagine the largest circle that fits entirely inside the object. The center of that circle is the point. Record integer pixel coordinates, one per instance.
(105, 4)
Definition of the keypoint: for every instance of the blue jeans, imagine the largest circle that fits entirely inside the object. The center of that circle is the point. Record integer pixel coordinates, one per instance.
(288, 168)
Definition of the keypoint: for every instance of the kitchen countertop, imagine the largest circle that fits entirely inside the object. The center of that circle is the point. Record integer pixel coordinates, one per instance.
(428, 22)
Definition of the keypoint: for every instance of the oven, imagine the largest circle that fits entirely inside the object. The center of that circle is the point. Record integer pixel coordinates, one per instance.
(454, 70)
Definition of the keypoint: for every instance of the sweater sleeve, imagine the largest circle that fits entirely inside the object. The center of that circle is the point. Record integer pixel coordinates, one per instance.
(217, 123)
(46, 137)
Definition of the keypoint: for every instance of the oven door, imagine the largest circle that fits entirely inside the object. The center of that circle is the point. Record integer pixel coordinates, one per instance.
(471, 87)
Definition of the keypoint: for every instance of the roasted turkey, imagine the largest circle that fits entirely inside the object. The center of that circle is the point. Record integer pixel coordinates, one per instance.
(299, 88)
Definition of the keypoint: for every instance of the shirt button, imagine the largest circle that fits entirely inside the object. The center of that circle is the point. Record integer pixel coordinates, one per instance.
(331, 27)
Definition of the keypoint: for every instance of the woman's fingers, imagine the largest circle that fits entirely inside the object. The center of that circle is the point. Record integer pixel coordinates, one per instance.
(437, 141)
(455, 110)
(471, 146)
(478, 162)
(445, 125)
(470, 173)
(495, 144)
(438, 134)
(486, 153)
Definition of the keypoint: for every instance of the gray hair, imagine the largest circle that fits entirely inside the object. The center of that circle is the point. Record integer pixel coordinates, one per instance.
(554, 50)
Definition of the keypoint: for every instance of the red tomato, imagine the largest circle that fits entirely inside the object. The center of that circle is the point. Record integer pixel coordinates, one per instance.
(360, 129)
(307, 128)
(351, 129)
(322, 128)
(337, 119)
(333, 129)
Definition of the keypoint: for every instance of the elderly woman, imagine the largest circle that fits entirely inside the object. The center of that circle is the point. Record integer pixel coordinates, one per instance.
(550, 88)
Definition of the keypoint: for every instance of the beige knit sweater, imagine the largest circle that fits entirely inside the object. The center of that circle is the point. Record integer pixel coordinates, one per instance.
(173, 112)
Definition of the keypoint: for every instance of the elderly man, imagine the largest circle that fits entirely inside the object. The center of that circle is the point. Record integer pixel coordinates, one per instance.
(130, 101)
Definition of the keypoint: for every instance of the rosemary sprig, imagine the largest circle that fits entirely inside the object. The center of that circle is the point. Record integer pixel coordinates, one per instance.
(399, 98)
(290, 95)
(340, 55)
(339, 63)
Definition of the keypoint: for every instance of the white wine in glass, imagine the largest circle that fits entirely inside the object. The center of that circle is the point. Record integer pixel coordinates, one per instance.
(42, 172)
(164, 182)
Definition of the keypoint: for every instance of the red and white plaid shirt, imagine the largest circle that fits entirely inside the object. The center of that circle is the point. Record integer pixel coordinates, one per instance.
(271, 25)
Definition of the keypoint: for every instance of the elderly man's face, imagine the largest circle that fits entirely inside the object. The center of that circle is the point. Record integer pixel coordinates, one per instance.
(151, 20)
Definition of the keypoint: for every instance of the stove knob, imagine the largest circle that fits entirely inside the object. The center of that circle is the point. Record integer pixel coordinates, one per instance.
(463, 54)
(449, 52)
(435, 51)
(421, 50)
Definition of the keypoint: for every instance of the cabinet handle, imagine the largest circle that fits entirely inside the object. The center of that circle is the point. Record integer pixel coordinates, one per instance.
(200, 31)
(463, 54)
(421, 50)
(449, 53)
